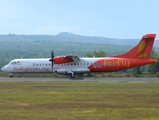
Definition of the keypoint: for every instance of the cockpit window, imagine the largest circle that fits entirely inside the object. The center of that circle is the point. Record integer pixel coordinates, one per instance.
(15, 63)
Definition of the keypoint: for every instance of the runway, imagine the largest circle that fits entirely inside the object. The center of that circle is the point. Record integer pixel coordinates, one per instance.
(104, 80)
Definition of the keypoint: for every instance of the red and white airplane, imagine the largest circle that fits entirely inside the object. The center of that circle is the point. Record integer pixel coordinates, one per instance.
(73, 65)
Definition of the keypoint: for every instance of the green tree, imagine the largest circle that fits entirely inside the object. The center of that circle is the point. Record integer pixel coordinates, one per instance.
(101, 53)
(137, 70)
(154, 68)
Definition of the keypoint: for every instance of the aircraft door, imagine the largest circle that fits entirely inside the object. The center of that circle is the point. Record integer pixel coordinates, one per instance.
(26, 66)
(115, 64)
(34, 65)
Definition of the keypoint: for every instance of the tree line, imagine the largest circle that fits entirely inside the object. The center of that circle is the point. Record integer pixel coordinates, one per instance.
(41, 49)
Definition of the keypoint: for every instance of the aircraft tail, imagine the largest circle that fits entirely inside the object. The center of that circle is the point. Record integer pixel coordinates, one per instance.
(142, 50)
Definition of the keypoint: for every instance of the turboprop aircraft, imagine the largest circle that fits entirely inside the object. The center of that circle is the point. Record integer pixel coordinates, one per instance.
(73, 65)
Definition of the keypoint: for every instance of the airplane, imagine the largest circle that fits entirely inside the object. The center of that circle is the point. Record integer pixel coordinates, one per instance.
(72, 65)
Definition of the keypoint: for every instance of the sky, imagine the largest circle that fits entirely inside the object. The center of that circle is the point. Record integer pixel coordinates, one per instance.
(104, 18)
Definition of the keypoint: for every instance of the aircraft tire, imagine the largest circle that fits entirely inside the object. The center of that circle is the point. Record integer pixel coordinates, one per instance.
(11, 75)
(72, 75)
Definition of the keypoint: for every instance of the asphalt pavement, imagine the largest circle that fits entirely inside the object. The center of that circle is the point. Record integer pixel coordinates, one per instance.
(104, 80)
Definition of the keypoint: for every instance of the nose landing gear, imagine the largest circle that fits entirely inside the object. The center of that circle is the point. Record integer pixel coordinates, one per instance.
(10, 75)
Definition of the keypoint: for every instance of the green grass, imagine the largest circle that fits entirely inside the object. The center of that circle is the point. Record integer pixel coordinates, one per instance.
(79, 101)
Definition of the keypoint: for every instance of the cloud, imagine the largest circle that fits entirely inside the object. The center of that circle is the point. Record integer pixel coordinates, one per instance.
(68, 28)
(92, 31)
(76, 28)
(47, 28)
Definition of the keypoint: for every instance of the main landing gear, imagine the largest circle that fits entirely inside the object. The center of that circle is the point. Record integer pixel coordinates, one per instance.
(71, 74)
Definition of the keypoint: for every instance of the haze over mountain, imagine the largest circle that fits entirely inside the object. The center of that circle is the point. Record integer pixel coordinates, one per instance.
(70, 37)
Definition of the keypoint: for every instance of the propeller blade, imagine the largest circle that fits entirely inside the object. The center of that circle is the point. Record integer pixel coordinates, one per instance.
(52, 54)
(52, 58)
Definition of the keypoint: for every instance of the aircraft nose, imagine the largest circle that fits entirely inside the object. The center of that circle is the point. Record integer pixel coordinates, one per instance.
(3, 69)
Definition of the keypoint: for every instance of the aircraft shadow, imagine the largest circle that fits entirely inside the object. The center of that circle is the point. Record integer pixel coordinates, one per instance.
(76, 78)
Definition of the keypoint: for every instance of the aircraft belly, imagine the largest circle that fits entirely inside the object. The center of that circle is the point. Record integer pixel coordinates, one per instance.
(74, 70)
(81, 70)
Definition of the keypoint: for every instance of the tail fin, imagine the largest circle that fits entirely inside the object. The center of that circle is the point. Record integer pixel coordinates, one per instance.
(142, 50)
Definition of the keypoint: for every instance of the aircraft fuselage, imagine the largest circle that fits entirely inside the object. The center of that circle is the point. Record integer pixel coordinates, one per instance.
(84, 65)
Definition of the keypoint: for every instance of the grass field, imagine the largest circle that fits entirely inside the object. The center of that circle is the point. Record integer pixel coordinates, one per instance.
(79, 101)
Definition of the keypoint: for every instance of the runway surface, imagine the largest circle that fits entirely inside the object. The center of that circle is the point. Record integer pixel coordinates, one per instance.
(104, 80)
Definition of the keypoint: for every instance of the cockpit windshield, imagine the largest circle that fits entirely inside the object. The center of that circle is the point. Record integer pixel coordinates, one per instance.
(15, 62)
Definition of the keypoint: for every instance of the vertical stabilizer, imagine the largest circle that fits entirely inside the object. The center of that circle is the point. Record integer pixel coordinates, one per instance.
(142, 50)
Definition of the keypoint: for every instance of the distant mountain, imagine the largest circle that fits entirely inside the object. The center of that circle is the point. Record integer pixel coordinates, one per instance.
(69, 37)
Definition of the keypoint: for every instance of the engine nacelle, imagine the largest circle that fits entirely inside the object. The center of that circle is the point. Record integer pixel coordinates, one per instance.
(61, 72)
(62, 59)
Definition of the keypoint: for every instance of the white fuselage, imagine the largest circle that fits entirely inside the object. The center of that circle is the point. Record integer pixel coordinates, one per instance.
(45, 66)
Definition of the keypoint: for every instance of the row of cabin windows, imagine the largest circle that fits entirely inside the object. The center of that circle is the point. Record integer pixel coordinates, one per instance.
(80, 64)
(64, 64)
(71, 64)
(36, 64)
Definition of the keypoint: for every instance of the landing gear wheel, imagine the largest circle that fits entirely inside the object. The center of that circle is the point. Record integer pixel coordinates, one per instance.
(10, 75)
(71, 74)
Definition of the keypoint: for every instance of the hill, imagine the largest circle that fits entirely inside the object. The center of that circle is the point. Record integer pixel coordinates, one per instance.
(69, 37)
(40, 46)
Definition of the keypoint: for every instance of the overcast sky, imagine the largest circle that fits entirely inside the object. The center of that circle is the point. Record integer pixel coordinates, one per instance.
(106, 18)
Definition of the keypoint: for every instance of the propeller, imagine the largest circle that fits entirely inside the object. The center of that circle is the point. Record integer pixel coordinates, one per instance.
(52, 58)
